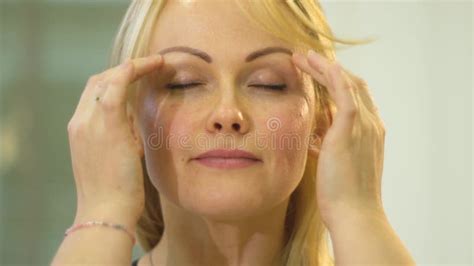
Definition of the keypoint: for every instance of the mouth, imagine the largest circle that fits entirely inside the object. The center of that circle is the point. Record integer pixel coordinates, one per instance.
(227, 159)
(227, 163)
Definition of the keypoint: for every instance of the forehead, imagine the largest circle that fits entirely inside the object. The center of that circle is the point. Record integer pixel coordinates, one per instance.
(216, 26)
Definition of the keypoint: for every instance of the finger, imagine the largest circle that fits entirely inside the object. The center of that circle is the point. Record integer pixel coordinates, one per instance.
(363, 91)
(127, 73)
(301, 61)
(367, 107)
(321, 64)
(318, 61)
(345, 101)
(95, 86)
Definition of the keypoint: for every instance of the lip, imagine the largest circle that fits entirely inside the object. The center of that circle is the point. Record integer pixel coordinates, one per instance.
(226, 159)
(221, 153)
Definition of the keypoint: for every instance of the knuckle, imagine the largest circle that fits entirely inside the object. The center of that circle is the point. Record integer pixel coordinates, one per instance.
(93, 79)
(109, 106)
(75, 128)
(114, 82)
(70, 126)
(128, 68)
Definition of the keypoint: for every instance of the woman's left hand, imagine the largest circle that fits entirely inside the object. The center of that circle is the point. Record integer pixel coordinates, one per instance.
(350, 160)
(350, 169)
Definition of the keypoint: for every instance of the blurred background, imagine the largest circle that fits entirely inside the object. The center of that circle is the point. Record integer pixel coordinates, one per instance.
(420, 73)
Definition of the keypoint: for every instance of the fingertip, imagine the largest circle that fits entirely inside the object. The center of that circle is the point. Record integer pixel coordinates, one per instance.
(158, 59)
(297, 57)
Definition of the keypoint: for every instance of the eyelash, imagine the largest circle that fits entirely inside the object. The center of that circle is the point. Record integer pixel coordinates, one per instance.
(270, 87)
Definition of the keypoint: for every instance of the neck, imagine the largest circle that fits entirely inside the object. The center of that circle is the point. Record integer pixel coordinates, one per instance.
(195, 240)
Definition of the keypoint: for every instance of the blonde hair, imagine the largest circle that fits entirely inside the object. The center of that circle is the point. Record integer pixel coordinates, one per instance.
(301, 23)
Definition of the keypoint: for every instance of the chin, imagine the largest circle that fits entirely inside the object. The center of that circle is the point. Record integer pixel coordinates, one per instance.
(232, 204)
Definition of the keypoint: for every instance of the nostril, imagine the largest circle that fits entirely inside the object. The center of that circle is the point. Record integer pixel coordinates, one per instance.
(217, 125)
(236, 126)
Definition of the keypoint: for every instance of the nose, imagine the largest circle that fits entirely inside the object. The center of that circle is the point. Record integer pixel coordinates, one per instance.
(227, 117)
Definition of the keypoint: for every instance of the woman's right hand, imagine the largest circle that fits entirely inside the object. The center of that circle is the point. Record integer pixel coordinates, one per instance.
(105, 154)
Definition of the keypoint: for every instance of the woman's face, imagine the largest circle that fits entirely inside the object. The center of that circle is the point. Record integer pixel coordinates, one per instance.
(224, 111)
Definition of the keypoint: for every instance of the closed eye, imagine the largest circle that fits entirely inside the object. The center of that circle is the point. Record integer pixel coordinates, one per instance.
(188, 85)
(271, 87)
(182, 86)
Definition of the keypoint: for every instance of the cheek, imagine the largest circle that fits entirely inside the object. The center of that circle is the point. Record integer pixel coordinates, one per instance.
(165, 128)
(287, 130)
(166, 120)
(175, 126)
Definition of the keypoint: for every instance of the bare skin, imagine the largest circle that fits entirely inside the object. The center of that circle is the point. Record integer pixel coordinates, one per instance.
(100, 139)
(238, 219)
(232, 216)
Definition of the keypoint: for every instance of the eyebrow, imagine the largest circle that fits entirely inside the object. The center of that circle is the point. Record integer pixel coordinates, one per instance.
(206, 57)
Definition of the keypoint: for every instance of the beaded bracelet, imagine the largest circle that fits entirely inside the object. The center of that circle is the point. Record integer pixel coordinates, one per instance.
(91, 223)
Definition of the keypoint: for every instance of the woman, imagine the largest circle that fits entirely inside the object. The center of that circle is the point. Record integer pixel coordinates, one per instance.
(233, 147)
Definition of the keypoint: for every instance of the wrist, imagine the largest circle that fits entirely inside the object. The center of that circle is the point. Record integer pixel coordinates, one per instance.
(107, 213)
(353, 214)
